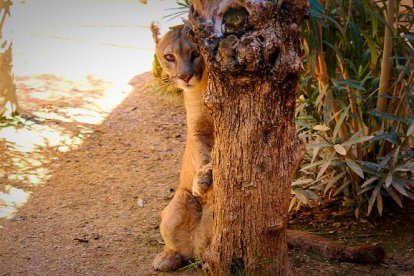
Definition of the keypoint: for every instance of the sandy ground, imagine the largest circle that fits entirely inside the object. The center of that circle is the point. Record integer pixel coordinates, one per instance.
(98, 212)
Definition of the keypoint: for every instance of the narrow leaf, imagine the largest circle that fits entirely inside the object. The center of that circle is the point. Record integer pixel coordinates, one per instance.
(302, 181)
(384, 162)
(357, 140)
(343, 187)
(369, 181)
(315, 152)
(410, 195)
(299, 194)
(333, 180)
(321, 128)
(352, 83)
(354, 167)
(410, 129)
(379, 204)
(318, 145)
(394, 196)
(407, 167)
(399, 187)
(388, 180)
(292, 203)
(339, 124)
(386, 116)
(311, 194)
(326, 165)
(404, 69)
(389, 136)
(373, 198)
(410, 37)
(340, 149)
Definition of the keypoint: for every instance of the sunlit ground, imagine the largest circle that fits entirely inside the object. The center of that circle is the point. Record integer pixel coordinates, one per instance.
(72, 63)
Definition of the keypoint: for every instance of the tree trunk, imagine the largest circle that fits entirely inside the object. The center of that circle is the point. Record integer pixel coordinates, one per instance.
(253, 52)
(8, 99)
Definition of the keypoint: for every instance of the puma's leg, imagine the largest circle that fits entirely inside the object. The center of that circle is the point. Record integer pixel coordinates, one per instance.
(178, 221)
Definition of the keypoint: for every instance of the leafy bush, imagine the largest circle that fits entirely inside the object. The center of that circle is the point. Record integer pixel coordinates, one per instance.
(355, 105)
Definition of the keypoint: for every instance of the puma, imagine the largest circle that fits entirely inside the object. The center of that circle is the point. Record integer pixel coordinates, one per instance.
(187, 221)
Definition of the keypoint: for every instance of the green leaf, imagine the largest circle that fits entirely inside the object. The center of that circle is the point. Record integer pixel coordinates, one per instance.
(326, 165)
(302, 181)
(357, 140)
(299, 194)
(380, 206)
(394, 159)
(384, 162)
(333, 181)
(394, 196)
(372, 48)
(407, 167)
(399, 187)
(340, 149)
(321, 128)
(373, 197)
(343, 187)
(410, 37)
(386, 116)
(318, 145)
(315, 9)
(315, 164)
(292, 203)
(369, 166)
(410, 195)
(389, 136)
(388, 180)
(369, 181)
(410, 129)
(404, 69)
(352, 83)
(354, 167)
(344, 114)
(311, 194)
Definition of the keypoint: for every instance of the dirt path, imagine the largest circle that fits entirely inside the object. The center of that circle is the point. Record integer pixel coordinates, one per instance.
(96, 211)
(86, 219)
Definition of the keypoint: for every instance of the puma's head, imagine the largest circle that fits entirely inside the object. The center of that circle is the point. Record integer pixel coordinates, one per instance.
(178, 57)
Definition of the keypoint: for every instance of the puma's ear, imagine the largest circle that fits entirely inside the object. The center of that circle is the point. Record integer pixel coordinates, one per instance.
(155, 29)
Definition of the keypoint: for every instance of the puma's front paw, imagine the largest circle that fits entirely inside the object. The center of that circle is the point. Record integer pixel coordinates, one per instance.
(203, 180)
(167, 261)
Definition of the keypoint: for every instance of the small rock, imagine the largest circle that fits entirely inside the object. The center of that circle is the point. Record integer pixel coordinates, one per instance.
(140, 202)
(18, 218)
(336, 224)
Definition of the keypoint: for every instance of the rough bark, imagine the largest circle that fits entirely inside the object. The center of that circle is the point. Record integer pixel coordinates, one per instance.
(8, 99)
(253, 52)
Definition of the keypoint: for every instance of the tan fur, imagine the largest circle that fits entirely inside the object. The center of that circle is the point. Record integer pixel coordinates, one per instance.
(184, 221)
(187, 221)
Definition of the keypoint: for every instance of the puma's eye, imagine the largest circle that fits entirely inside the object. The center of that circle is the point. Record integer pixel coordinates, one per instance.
(169, 57)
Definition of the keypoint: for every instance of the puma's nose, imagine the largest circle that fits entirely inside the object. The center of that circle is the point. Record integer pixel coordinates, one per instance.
(186, 78)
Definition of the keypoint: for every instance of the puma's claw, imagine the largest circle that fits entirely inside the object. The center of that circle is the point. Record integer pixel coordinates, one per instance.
(167, 261)
(203, 180)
